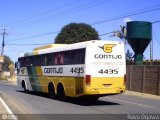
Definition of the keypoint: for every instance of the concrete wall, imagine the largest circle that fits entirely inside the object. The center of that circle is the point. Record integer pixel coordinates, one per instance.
(144, 79)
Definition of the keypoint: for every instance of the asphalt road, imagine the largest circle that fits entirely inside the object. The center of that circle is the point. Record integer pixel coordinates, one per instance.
(39, 106)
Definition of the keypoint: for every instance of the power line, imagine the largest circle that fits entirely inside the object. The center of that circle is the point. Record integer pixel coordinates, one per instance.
(123, 16)
(44, 13)
(13, 48)
(136, 26)
(113, 19)
(106, 33)
(127, 15)
(156, 37)
(39, 35)
(66, 12)
(83, 8)
(71, 11)
(155, 21)
(92, 24)
(34, 36)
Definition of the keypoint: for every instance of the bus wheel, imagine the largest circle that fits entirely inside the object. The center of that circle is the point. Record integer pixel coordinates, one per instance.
(60, 92)
(51, 91)
(24, 86)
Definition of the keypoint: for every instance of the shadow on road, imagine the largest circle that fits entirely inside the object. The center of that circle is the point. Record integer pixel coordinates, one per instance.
(92, 103)
(77, 101)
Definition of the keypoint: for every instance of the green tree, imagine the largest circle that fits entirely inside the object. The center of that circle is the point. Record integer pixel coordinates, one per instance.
(76, 32)
(7, 62)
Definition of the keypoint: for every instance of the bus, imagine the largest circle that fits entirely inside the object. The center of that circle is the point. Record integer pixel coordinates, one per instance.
(89, 69)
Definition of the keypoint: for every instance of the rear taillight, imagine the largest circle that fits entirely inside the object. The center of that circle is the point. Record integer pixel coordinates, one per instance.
(88, 79)
(124, 79)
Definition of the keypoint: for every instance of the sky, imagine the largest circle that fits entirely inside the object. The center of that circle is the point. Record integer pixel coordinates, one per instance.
(30, 23)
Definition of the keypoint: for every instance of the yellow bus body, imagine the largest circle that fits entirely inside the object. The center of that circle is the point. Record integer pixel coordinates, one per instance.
(106, 72)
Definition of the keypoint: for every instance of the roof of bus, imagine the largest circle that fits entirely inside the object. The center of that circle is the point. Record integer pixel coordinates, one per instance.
(63, 47)
(48, 46)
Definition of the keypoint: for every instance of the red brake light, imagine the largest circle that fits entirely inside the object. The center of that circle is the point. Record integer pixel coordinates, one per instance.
(88, 79)
(124, 79)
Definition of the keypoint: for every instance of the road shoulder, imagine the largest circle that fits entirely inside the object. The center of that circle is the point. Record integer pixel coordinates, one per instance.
(144, 95)
(8, 82)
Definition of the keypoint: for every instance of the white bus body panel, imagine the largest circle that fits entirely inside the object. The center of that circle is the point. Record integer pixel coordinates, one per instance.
(23, 76)
(97, 60)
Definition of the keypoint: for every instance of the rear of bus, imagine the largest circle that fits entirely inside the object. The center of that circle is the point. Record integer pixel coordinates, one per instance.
(105, 68)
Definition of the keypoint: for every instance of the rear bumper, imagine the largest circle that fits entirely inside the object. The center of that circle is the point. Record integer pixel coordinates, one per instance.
(104, 91)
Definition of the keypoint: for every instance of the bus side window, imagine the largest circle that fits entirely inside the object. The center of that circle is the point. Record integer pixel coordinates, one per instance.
(23, 62)
(61, 58)
(39, 60)
(56, 58)
(72, 57)
(35, 60)
(31, 61)
(81, 56)
(48, 62)
(18, 65)
(52, 59)
(45, 60)
(66, 57)
(27, 61)
(77, 56)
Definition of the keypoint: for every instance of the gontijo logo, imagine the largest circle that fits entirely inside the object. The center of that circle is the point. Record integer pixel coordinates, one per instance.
(107, 48)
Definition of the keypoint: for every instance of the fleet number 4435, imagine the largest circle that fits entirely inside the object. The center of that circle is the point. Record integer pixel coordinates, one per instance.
(108, 71)
(77, 70)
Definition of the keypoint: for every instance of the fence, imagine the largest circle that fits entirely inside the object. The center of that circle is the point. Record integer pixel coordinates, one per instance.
(145, 79)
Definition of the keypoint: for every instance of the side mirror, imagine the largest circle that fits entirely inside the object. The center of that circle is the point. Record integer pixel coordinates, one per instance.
(15, 65)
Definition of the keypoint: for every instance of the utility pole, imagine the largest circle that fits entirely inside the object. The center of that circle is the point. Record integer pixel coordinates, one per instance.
(151, 50)
(2, 51)
(3, 42)
(122, 34)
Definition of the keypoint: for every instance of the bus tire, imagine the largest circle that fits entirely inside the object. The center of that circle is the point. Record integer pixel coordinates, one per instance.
(51, 91)
(24, 86)
(60, 92)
